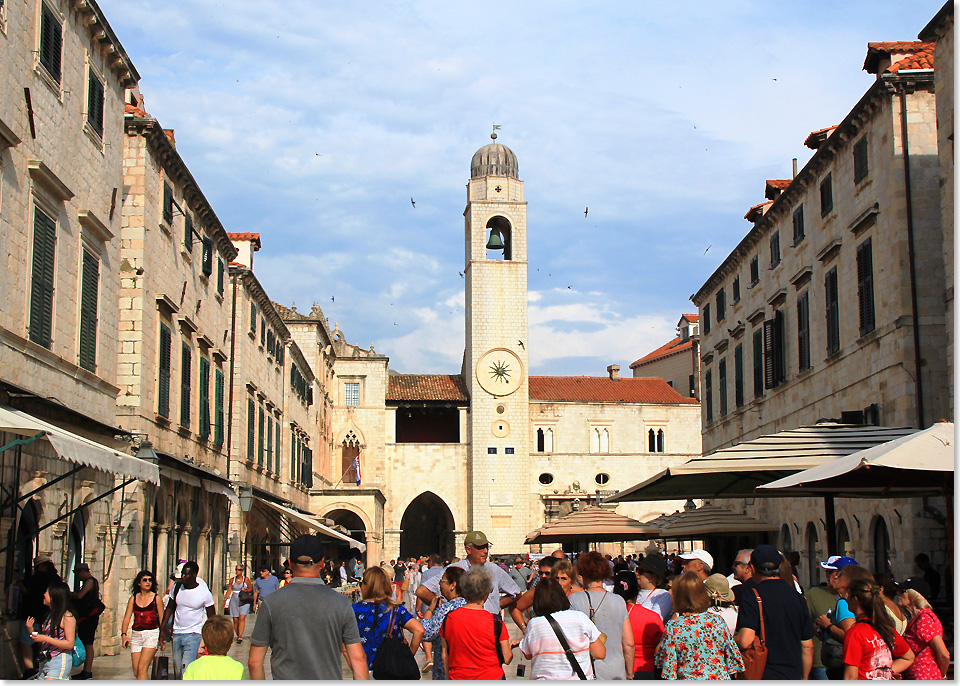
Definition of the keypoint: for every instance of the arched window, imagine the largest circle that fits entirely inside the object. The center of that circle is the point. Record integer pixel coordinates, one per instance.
(601, 440)
(813, 562)
(351, 450)
(499, 226)
(786, 541)
(881, 546)
(545, 440)
(843, 539)
(660, 441)
(651, 441)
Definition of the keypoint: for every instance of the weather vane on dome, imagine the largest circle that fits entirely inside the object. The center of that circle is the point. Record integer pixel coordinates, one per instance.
(494, 134)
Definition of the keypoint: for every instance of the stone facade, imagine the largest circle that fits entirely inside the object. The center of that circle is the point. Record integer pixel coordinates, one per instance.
(677, 362)
(824, 324)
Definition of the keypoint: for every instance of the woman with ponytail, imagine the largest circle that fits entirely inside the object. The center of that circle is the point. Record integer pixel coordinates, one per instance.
(872, 648)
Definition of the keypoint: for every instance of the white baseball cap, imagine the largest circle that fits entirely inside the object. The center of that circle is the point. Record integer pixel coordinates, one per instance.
(698, 554)
(829, 563)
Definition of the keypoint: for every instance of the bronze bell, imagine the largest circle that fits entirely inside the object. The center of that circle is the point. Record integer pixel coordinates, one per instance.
(495, 242)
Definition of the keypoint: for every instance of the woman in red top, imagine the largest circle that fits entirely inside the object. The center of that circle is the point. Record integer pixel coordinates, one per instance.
(469, 646)
(872, 648)
(146, 608)
(924, 635)
(647, 625)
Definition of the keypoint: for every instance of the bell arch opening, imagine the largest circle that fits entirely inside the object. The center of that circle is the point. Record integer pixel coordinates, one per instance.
(427, 527)
(500, 239)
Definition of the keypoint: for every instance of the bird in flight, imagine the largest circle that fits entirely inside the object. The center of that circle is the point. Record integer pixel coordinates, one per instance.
(412, 202)
(585, 210)
(708, 247)
(520, 343)
(331, 299)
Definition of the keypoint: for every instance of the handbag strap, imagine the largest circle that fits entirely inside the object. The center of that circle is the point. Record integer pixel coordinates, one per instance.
(566, 647)
(763, 628)
(497, 628)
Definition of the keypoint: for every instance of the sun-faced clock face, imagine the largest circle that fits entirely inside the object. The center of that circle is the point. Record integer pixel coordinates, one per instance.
(499, 371)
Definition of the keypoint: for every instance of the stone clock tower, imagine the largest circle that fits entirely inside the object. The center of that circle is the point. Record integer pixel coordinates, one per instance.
(495, 363)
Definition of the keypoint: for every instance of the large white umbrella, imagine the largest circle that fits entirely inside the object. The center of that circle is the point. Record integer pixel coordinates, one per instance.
(914, 465)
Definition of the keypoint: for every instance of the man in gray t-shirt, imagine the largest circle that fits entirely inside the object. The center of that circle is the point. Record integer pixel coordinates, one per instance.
(304, 624)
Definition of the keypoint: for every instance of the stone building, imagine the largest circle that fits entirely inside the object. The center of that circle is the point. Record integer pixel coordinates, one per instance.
(676, 362)
(65, 490)
(812, 316)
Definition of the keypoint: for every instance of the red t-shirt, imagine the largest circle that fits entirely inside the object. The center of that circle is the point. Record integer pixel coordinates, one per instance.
(864, 648)
(647, 628)
(472, 651)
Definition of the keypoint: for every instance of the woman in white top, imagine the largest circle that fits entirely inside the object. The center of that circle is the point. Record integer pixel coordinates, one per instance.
(542, 646)
(722, 600)
(651, 573)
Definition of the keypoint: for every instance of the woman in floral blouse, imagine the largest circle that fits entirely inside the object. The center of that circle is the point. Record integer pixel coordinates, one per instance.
(435, 614)
(924, 635)
(696, 644)
(373, 615)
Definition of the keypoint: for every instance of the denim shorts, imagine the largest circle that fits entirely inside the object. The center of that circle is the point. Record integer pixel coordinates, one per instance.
(58, 667)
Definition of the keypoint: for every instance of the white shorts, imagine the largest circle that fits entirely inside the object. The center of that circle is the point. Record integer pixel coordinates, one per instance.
(148, 638)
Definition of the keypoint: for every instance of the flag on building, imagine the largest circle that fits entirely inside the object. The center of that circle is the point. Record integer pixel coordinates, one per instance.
(356, 467)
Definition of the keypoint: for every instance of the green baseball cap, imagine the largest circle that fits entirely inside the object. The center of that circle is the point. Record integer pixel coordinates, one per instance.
(476, 538)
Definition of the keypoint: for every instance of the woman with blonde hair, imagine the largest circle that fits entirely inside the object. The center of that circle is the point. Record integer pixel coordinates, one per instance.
(566, 575)
(696, 644)
(924, 633)
(378, 612)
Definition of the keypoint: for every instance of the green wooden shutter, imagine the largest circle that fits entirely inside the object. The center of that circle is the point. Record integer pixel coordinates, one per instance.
(832, 311)
(269, 460)
(722, 367)
(89, 286)
(41, 292)
(278, 453)
(261, 420)
(51, 42)
(188, 233)
(803, 330)
(251, 428)
(221, 273)
(758, 366)
(204, 397)
(861, 166)
(738, 375)
(185, 364)
(218, 408)
(95, 102)
(207, 261)
(167, 203)
(253, 318)
(163, 404)
(865, 286)
(708, 395)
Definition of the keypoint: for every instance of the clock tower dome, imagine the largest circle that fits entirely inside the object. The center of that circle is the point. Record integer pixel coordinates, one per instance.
(495, 363)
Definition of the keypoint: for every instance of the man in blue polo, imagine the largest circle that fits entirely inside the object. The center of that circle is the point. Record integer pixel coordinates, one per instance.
(264, 586)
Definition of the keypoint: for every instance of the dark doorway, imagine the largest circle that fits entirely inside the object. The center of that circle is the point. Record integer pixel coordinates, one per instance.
(427, 527)
(428, 425)
(352, 522)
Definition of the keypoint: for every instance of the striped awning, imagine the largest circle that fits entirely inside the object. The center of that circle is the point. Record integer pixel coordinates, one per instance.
(592, 524)
(736, 471)
(711, 520)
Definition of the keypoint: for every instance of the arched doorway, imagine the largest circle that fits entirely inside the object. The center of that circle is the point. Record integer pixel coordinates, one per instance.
(27, 539)
(74, 550)
(427, 528)
(358, 531)
(786, 540)
(813, 562)
(843, 539)
(881, 546)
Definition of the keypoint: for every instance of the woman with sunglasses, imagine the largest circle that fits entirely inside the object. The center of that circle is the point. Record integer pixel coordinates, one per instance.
(287, 575)
(436, 613)
(238, 610)
(146, 608)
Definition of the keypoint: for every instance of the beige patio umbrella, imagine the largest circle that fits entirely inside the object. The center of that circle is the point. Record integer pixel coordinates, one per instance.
(593, 524)
(711, 520)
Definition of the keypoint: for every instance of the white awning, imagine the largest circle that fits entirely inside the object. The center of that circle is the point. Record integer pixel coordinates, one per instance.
(78, 449)
(313, 524)
(215, 487)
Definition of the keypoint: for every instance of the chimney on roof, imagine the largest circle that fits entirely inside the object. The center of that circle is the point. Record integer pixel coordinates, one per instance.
(794, 167)
(614, 371)
(172, 137)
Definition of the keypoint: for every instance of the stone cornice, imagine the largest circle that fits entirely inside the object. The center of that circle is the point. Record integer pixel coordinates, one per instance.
(260, 296)
(115, 56)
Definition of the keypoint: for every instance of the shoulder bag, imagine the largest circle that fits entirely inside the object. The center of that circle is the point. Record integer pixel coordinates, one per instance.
(566, 648)
(755, 655)
(394, 659)
(497, 628)
(91, 605)
(245, 597)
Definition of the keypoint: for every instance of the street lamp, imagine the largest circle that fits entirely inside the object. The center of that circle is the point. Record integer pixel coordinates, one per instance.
(246, 499)
(147, 453)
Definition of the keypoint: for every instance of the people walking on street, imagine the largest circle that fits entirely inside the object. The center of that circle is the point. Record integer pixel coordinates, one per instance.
(696, 643)
(541, 644)
(305, 623)
(88, 607)
(647, 625)
(378, 612)
(786, 619)
(609, 612)
(190, 604)
(217, 635)
(436, 612)
(478, 549)
(264, 586)
(523, 602)
(872, 648)
(240, 599)
(143, 637)
(473, 647)
(399, 574)
(57, 634)
(32, 605)
(519, 573)
(653, 593)
(924, 633)
(410, 586)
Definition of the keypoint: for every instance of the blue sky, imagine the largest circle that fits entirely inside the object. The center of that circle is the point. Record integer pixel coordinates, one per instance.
(314, 123)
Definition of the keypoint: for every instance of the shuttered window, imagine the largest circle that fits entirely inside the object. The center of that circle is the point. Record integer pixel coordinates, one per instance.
(253, 318)
(41, 288)
(269, 461)
(95, 102)
(251, 429)
(167, 203)
(803, 331)
(706, 319)
(861, 166)
(186, 362)
(277, 453)
(865, 286)
(736, 290)
(307, 475)
(832, 311)
(89, 288)
(163, 403)
(218, 408)
(207, 261)
(722, 371)
(721, 305)
(187, 233)
(798, 230)
(826, 195)
(294, 443)
(261, 422)
(774, 249)
(755, 271)
(738, 375)
(204, 397)
(758, 363)
(708, 395)
(221, 274)
(51, 41)
(263, 332)
(774, 351)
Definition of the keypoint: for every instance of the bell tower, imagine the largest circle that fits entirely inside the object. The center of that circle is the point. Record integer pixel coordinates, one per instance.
(495, 363)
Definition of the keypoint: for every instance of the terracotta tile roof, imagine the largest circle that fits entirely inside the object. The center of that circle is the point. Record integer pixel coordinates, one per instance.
(252, 237)
(755, 212)
(692, 318)
(674, 346)
(921, 60)
(816, 138)
(878, 52)
(134, 110)
(447, 387)
(774, 187)
(602, 389)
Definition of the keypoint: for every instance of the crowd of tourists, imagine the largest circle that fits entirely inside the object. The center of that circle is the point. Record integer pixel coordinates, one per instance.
(592, 617)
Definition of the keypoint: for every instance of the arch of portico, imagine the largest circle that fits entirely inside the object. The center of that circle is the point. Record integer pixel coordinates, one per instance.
(427, 526)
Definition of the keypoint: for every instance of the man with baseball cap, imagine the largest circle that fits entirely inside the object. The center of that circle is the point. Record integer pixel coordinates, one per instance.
(478, 549)
(698, 561)
(786, 619)
(833, 625)
(305, 622)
